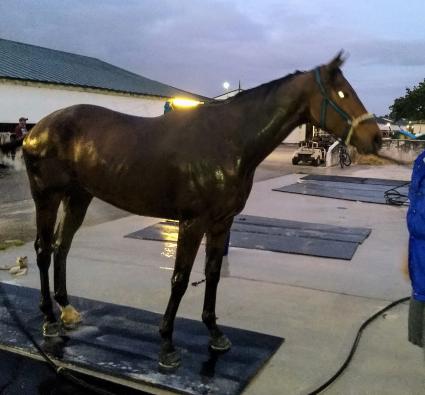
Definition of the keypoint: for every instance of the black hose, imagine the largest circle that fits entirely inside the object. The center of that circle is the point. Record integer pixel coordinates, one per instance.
(59, 370)
(394, 197)
(355, 344)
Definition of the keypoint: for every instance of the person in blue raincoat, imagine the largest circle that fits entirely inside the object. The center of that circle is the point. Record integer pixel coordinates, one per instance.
(168, 106)
(416, 258)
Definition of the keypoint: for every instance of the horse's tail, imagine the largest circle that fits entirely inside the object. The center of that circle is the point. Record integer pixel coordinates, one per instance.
(11, 145)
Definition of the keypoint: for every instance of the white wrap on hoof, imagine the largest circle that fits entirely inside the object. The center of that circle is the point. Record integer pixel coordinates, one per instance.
(70, 317)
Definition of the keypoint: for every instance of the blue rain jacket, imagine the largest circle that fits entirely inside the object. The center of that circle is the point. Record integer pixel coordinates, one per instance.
(416, 226)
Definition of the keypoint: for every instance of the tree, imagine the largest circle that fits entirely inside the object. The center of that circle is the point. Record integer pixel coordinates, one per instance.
(410, 106)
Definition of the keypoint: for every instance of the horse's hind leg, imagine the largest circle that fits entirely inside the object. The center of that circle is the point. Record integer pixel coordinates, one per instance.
(190, 236)
(75, 206)
(46, 206)
(216, 244)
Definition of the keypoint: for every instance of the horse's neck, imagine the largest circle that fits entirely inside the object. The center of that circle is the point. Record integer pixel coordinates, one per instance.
(266, 125)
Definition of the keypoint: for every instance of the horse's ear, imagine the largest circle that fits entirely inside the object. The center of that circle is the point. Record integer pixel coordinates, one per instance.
(334, 65)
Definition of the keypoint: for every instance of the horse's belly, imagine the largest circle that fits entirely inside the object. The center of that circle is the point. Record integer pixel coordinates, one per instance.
(162, 190)
(144, 197)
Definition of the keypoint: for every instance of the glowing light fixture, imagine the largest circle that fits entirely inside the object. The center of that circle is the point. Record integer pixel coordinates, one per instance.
(226, 85)
(341, 94)
(182, 102)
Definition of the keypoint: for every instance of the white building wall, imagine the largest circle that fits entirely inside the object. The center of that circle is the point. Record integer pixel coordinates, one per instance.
(297, 135)
(35, 102)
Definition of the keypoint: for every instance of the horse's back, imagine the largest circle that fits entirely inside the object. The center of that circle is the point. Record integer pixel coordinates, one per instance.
(62, 132)
(89, 146)
(54, 143)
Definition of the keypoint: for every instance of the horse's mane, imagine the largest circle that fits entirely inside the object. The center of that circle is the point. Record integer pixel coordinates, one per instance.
(265, 88)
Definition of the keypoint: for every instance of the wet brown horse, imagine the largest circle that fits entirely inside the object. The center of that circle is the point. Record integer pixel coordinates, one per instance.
(194, 166)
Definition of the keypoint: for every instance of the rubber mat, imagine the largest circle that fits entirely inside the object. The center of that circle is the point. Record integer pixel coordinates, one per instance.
(356, 180)
(368, 190)
(123, 342)
(276, 235)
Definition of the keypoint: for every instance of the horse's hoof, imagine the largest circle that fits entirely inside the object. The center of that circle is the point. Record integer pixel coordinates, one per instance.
(220, 343)
(169, 360)
(52, 329)
(70, 317)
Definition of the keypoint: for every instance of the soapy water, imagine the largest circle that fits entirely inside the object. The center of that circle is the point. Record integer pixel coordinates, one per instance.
(7, 164)
(14, 186)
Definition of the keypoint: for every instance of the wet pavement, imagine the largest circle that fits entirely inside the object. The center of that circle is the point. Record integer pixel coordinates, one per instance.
(16, 206)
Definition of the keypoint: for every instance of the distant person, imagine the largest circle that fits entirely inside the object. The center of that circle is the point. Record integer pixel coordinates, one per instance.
(416, 257)
(17, 136)
(21, 128)
(168, 107)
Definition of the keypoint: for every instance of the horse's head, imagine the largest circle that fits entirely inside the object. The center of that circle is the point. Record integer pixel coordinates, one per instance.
(335, 107)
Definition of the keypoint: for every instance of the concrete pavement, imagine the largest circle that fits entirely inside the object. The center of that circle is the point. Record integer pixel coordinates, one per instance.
(316, 304)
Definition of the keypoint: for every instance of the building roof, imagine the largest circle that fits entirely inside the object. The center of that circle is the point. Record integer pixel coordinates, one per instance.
(27, 62)
(228, 94)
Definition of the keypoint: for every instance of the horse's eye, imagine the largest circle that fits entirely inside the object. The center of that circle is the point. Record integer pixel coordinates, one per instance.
(341, 94)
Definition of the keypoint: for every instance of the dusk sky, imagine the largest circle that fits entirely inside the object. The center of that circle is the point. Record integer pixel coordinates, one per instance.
(197, 45)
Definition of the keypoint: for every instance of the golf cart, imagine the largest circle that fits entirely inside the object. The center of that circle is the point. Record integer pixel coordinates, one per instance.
(309, 152)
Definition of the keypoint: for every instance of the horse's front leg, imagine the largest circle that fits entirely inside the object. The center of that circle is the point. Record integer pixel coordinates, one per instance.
(216, 244)
(190, 236)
